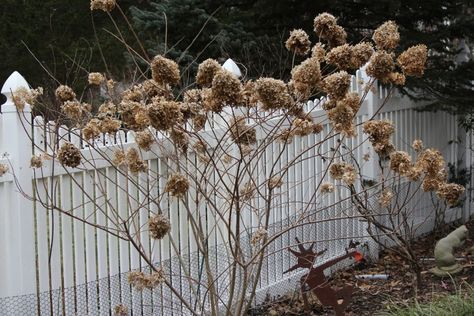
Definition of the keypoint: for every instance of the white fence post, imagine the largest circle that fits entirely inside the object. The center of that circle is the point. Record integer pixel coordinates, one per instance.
(17, 241)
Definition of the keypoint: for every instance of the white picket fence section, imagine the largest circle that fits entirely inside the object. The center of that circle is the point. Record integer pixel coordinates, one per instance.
(53, 265)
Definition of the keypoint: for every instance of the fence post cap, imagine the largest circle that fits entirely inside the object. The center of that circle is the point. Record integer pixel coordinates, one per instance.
(231, 66)
(14, 82)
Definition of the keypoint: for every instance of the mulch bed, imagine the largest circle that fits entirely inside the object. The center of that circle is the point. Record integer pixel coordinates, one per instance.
(371, 296)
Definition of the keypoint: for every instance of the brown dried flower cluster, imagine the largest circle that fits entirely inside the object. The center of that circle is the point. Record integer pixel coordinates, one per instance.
(343, 171)
(325, 26)
(134, 162)
(417, 145)
(164, 70)
(206, 72)
(73, 110)
(92, 130)
(386, 36)
(413, 60)
(120, 158)
(109, 125)
(306, 77)
(201, 151)
(69, 155)
(141, 281)
(451, 192)
(65, 93)
(159, 226)
(241, 133)
(337, 85)
(96, 78)
(341, 118)
(36, 161)
(318, 51)
(258, 236)
(275, 182)
(177, 185)
(305, 126)
(3, 169)
(298, 42)
(144, 140)
(164, 114)
(152, 89)
(23, 96)
(379, 136)
(348, 57)
(134, 115)
(400, 162)
(247, 191)
(385, 198)
(226, 90)
(273, 94)
(180, 139)
(120, 310)
(326, 187)
(380, 66)
(104, 5)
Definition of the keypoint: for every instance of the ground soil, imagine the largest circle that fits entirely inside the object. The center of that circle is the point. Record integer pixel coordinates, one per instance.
(372, 296)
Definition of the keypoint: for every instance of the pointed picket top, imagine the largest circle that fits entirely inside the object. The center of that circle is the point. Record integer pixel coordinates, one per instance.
(14, 82)
(231, 66)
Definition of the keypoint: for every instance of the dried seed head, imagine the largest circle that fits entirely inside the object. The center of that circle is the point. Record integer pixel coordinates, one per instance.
(342, 171)
(69, 155)
(298, 42)
(413, 60)
(400, 162)
(379, 135)
(96, 78)
(361, 54)
(65, 93)
(134, 162)
(226, 90)
(273, 94)
(318, 51)
(73, 110)
(23, 96)
(104, 5)
(247, 191)
(164, 70)
(241, 133)
(159, 226)
(417, 145)
(341, 118)
(258, 236)
(325, 26)
(92, 130)
(120, 310)
(337, 85)
(3, 169)
(140, 281)
(326, 187)
(385, 198)
(206, 72)
(120, 158)
(275, 182)
(36, 161)
(177, 185)
(340, 57)
(134, 115)
(306, 77)
(164, 114)
(380, 65)
(396, 78)
(180, 139)
(451, 192)
(144, 140)
(386, 36)
(109, 125)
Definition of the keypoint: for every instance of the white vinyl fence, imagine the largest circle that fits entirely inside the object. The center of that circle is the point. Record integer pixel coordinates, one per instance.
(53, 265)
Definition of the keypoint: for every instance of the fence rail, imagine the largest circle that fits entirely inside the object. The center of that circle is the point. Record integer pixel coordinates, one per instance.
(54, 265)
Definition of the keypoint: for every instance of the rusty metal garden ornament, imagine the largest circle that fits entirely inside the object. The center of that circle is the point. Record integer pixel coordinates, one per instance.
(315, 279)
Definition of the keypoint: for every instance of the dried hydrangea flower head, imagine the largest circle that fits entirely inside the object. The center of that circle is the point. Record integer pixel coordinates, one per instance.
(247, 191)
(380, 66)
(164, 70)
(134, 162)
(104, 5)
(144, 140)
(69, 155)
(258, 236)
(120, 310)
(177, 185)
(298, 42)
(347, 57)
(342, 171)
(451, 192)
(341, 118)
(92, 130)
(3, 169)
(413, 60)
(275, 182)
(273, 94)
(326, 187)
(180, 139)
(379, 133)
(385, 198)
(337, 84)
(65, 93)
(396, 78)
(96, 78)
(431, 161)
(164, 114)
(134, 115)
(73, 110)
(318, 51)
(325, 26)
(417, 145)
(206, 72)
(140, 281)
(135, 93)
(23, 96)
(153, 89)
(36, 161)
(241, 133)
(226, 90)
(159, 226)
(306, 78)
(386, 36)
(119, 159)
(400, 162)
